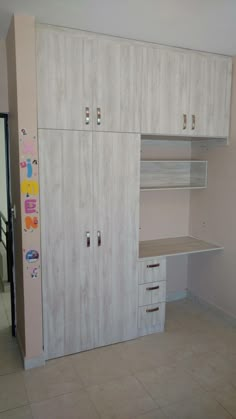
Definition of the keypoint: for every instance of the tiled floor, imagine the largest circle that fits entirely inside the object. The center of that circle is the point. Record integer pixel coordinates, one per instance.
(188, 372)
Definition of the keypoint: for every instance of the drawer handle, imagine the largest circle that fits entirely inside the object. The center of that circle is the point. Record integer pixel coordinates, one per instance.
(155, 265)
(151, 310)
(152, 288)
(193, 122)
(184, 121)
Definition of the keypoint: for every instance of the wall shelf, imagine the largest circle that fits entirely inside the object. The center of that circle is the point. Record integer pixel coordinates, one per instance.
(174, 246)
(173, 174)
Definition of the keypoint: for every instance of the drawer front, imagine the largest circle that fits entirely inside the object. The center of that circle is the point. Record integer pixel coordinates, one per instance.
(151, 293)
(152, 270)
(151, 318)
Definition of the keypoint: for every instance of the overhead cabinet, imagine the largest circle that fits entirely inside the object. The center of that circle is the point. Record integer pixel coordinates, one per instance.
(185, 93)
(87, 82)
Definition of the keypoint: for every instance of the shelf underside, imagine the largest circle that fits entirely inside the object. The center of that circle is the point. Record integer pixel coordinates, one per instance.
(174, 246)
(173, 175)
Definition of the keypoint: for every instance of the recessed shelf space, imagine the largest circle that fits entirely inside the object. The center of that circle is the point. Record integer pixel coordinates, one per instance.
(173, 174)
(174, 246)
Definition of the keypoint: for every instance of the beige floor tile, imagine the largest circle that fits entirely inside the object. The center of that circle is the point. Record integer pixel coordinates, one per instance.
(56, 378)
(226, 396)
(19, 413)
(196, 408)
(144, 355)
(154, 414)
(121, 399)
(10, 359)
(68, 406)
(12, 391)
(100, 366)
(168, 385)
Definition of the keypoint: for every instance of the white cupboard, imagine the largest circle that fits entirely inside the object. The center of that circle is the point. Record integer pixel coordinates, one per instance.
(185, 93)
(87, 82)
(89, 186)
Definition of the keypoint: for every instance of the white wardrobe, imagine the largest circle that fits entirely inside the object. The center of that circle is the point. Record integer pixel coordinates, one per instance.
(96, 96)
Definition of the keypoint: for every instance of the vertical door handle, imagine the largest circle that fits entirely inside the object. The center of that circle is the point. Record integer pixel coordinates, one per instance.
(99, 238)
(99, 116)
(88, 238)
(193, 122)
(184, 121)
(87, 116)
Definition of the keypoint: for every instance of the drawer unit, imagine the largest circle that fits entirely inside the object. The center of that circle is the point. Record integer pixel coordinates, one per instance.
(151, 319)
(152, 270)
(151, 293)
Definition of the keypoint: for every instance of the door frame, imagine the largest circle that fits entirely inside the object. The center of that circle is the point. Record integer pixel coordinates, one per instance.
(9, 232)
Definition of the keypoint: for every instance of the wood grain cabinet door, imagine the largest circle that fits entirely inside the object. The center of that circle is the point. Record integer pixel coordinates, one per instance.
(164, 91)
(116, 219)
(64, 79)
(67, 252)
(209, 95)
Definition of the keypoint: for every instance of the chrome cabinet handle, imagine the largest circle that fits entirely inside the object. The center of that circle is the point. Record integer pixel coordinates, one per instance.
(99, 238)
(154, 265)
(87, 116)
(184, 121)
(152, 288)
(193, 122)
(99, 116)
(88, 238)
(151, 310)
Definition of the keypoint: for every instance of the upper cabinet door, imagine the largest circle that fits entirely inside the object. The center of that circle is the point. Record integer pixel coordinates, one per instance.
(210, 92)
(64, 79)
(220, 69)
(106, 95)
(164, 91)
(130, 87)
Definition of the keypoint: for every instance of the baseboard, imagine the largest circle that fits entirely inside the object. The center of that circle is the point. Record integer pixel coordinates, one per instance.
(29, 363)
(174, 296)
(209, 306)
(35, 362)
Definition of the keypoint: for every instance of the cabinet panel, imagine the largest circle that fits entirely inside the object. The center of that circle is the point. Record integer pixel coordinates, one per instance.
(116, 216)
(106, 95)
(130, 89)
(64, 79)
(164, 91)
(125, 238)
(103, 219)
(66, 216)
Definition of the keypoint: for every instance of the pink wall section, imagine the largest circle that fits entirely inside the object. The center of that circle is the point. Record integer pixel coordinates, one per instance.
(23, 128)
(213, 277)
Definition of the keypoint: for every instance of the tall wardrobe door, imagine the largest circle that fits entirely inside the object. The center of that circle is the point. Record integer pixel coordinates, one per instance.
(66, 217)
(64, 79)
(116, 221)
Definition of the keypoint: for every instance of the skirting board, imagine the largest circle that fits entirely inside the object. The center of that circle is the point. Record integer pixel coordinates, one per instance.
(174, 296)
(209, 306)
(29, 363)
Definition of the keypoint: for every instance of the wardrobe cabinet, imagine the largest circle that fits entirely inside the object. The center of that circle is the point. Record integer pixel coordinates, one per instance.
(87, 83)
(185, 93)
(89, 239)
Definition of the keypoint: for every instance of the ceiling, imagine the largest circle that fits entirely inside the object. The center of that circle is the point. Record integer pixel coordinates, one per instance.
(207, 25)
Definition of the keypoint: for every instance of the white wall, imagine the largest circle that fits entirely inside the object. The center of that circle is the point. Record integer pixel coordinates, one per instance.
(3, 189)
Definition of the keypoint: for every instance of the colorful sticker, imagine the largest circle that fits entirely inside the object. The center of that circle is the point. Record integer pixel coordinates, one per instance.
(30, 206)
(32, 256)
(30, 187)
(31, 222)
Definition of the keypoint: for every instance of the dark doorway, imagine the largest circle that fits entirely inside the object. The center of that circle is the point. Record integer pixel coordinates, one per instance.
(7, 284)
